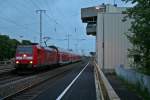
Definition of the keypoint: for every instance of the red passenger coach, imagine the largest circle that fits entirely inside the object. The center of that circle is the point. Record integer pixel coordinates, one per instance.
(64, 56)
(35, 56)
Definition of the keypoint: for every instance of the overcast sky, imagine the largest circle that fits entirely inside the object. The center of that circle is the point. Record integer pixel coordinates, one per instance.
(19, 20)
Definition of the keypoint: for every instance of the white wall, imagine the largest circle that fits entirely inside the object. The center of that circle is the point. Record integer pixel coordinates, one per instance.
(115, 42)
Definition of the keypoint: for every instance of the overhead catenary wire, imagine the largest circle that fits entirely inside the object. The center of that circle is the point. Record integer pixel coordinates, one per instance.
(18, 9)
(49, 18)
(22, 6)
(9, 20)
(56, 22)
(38, 7)
(13, 22)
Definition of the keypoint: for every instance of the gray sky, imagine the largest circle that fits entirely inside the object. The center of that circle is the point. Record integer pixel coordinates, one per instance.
(18, 18)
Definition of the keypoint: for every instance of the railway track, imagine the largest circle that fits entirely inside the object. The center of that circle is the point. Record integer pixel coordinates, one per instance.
(33, 92)
(10, 79)
(6, 68)
(10, 76)
(9, 89)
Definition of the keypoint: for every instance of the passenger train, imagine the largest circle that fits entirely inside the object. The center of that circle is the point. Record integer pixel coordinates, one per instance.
(35, 57)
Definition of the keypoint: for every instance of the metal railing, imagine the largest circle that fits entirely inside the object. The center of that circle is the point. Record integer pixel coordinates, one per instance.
(6, 66)
(106, 90)
(9, 62)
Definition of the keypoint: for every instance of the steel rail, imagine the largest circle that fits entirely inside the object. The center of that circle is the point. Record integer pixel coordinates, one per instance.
(10, 89)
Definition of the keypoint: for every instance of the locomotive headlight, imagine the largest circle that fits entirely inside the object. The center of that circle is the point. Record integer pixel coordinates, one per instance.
(24, 55)
(17, 62)
(31, 62)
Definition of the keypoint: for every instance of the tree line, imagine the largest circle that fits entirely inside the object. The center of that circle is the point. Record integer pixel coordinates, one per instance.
(140, 37)
(8, 46)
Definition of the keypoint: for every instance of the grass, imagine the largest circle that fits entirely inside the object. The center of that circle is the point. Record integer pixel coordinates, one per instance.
(143, 93)
(145, 72)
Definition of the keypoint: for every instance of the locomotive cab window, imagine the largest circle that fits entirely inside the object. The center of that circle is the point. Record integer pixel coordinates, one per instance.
(24, 49)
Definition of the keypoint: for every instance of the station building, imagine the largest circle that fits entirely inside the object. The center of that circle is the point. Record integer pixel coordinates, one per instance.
(106, 23)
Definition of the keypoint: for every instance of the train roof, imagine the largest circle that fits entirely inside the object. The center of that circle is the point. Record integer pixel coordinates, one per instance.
(51, 48)
(47, 48)
(38, 46)
(63, 50)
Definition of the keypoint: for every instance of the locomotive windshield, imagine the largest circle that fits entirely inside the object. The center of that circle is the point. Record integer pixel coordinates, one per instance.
(24, 49)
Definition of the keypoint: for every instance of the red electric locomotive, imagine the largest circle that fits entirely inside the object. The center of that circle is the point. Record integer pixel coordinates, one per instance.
(35, 56)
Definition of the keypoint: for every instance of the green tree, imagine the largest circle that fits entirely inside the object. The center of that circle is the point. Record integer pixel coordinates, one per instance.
(13, 43)
(140, 37)
(26, 42)
(8, 47)
(3, 46)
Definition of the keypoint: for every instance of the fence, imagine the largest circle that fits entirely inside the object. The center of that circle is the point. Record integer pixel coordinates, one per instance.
(133, 77)
(6, 62)
(106, 90)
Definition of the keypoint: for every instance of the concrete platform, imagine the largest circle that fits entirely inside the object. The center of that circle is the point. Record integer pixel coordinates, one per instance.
(80, 82)
(121, 89)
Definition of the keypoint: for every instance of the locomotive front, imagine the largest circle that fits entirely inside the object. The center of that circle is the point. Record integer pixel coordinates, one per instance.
(24, 57)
